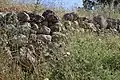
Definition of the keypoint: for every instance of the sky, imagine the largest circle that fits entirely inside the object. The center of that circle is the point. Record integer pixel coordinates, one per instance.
(64, 3)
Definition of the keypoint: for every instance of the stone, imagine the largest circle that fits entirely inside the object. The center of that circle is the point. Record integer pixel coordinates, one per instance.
(57, 36)
(59, 24)
(46, 79)
(67, 23)
(101, 21)
(44, 38)
(71, 16)
(92, 27)
(48, 12)
(23, 17)
(68, 53)
(33, 37)
(34, 26)
(45, 23)
(44, 30)
(37, 18)
(55, 28)
(52, 18)
(76, 23)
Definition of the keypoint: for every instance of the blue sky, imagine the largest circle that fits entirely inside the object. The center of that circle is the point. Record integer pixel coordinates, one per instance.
(64, 3)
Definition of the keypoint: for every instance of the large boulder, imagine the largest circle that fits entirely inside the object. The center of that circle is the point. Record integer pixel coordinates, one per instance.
(37, 18)
(50, 17)
(48, 12)
(23, 17)
(71, 16)
(100, 22)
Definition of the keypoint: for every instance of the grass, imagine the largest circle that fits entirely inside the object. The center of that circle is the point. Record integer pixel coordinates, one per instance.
(92, 58)
(95, 57)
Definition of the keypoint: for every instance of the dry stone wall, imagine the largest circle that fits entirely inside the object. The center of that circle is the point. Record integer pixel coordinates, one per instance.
(27, 36)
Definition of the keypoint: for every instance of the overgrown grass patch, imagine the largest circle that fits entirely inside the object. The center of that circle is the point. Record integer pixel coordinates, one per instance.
(95, 57)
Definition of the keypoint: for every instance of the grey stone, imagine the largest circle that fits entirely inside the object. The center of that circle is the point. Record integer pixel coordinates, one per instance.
(34, 26)
(33, 37)
(101, 21)
(71, 16)
(48, 12)
(44, 30)
(37, 18)
(92, 27)
(58, 36)
(44, 38)
(55, 28)
(23, 17)
(67, 23)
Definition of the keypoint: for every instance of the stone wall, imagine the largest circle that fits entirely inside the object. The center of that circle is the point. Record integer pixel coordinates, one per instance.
(28, 37)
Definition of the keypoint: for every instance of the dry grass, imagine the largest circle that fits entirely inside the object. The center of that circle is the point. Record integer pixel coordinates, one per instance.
(17, 8)
(9, 5)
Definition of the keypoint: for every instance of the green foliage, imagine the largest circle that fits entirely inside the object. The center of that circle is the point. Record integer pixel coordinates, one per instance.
(95, 58)
(92, 58)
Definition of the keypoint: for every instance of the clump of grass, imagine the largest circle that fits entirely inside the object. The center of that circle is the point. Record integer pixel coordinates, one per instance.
(95, 58)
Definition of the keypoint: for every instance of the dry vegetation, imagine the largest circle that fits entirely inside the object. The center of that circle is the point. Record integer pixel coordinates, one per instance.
(8, 5)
